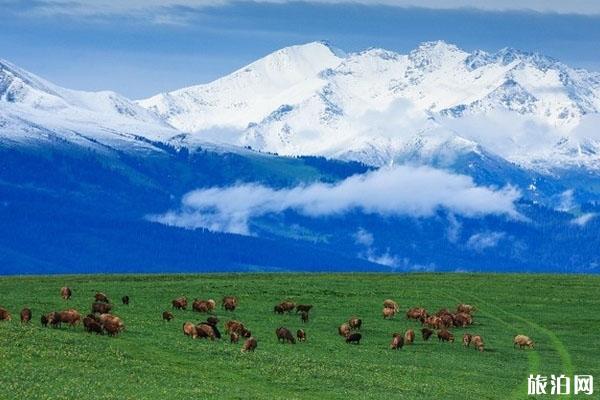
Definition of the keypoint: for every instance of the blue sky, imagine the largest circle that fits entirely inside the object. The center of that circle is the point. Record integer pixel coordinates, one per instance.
(140, 48)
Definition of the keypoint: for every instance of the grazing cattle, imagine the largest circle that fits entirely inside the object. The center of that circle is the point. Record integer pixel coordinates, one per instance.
(388, 313)
(180, 303)
(245, 333)
(91, 325)
(213, 321)
(397, 341)
(467, 337)
(353, 338)
(523, 341)
(71, 317)
(44, 320)
(287, 306)
(167, 316)
(344, 329)
(201, 306)
(445, 336)
(303, 307)
(101, 308)
(25, 315)
(442, 311)
(465, 308)
(462, 319)
(391, 304)
(101, 297)
(206, 331)
(113, 325)
(189, 329)
(233, 326)
(409, 336)
(304, 316)
(229, 303)
(234, 337)
(417, 313)
(4, 314)
(433, 322)
(447, 320)
(477, 342)
(278, 309)
(355, 323)
(51, 318)
(125, 300)
(249, 345)
(426, 333)
(284, 335)
(65, 293)
(211, 304)
(301, 335)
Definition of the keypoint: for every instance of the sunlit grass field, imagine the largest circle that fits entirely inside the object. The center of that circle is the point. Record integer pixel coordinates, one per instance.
(152, 359)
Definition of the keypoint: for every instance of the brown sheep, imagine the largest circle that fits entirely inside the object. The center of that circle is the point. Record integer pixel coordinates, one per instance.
(44, 320)
(4, 314)
(278, 309)
(205, 331)
(353, 338)
(388, 313)
(189, 329)
(465, 308)
(303, 307)
(344, 329)
(113, 325)
(167, 316)
(477, 342)
(25, 315)
(442, 311)
(523, 341)
(229, 303)
(391, 304)
(462, 319)
(245, 332)
(447, 320)
(101, 308)
(101, 297)
(52, 319)
(234, 337)
(233, 326)
(125, 300)
(409, 336)
(65, 293)
(355, 323)
(467, 338)
(433, 322)
(397, 341)
(284, 335)
(445, 336)
(416, 313)
(91, 325)
(301, 335)
(71, 317)
(211, 304)
(180, 303)
(426, 333)
(287, 306)
(304, 316)
(249, 345)
(201, 306)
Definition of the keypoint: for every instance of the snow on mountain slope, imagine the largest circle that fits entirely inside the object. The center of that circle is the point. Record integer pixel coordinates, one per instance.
(251, 93)
(32, 108)
(379, 106)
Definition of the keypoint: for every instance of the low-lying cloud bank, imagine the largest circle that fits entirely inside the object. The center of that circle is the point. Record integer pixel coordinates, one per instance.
(390, 191)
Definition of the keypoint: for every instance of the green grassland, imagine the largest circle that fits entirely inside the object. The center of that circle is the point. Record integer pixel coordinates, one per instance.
(152, 359)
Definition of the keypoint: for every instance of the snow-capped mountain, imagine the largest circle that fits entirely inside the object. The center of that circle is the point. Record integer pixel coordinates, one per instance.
(379, 106)
(32, 108)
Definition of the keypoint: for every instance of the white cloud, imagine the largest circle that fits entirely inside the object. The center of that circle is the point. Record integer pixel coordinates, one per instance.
(129, 7)
(583, 219)
(399, 190)
(484, 240)
(364, 237)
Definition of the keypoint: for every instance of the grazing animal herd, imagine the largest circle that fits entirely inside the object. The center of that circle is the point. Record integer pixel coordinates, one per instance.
(101, 321)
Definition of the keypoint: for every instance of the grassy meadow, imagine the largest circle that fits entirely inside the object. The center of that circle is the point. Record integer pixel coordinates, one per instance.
(152, 359)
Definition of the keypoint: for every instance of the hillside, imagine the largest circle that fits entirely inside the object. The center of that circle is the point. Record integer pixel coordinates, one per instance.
(152, 359)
